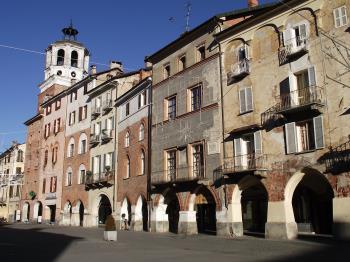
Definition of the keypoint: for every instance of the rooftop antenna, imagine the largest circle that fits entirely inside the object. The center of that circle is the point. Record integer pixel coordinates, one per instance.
(188, 14)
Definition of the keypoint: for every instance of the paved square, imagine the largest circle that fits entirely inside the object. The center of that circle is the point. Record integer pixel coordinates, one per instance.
(53, 243)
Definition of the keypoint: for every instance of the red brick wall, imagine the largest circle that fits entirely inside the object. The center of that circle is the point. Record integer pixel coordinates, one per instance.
(136, 184)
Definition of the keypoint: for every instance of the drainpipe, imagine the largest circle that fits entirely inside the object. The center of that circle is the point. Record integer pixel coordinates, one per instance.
(222, 112)
(115, 189)
(149, 153)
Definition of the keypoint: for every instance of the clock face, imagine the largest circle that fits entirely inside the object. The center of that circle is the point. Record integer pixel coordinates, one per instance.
(73, 74)
(59, 72)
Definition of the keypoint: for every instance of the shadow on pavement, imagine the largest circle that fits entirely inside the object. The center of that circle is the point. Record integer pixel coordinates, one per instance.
(31, 244)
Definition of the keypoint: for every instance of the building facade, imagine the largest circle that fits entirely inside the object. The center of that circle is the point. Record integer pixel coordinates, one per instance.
(284, 107)
(133, 110)
(11, 172)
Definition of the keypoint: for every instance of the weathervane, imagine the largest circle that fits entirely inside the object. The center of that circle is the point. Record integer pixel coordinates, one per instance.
(188, 14)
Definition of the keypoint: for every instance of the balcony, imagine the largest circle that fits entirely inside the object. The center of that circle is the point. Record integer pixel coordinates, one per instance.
(107, 135)
(294, 49)
(337, 160)
(309, 98)
(239, 71)
(51, 195)
(95, 140)
(96, 112)
(107, 106)
(245, 163)
(178, 175)
(99, 180)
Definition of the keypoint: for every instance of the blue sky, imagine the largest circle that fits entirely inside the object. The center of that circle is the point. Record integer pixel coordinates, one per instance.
(126, 31)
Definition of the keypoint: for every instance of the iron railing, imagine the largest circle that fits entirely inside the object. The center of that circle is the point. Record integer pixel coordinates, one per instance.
(95, 139)
(240, 69)
(293, 47)
(248, 162)
(338, 158)
(100, 177)
(107, 134)
(181, 174)
(96, 111)
(107, 105)
(301, 97)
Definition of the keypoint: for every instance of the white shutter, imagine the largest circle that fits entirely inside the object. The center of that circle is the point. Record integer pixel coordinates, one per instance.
(287, 36)
(257, 142)
(344, 16)
(249, 99)
(238, 152)
(291, 138)
(242, 101)
(302, 30)
(246, 50)
(318, 132)
(336, 15)
(312, 76)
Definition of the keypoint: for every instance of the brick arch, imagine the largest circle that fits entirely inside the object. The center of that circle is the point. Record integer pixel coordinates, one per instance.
(213, 193)
(139, 193)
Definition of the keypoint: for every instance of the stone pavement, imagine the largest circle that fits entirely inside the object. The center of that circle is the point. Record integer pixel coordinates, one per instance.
(52, 243)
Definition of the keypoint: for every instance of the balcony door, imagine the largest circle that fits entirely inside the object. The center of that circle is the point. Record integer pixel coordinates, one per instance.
(247, 148)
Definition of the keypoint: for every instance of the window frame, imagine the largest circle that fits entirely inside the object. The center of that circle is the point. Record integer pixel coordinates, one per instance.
(199, 105)
(167, 107)
(199, 57)
(341, 17)
(246, 102)
(166, 71)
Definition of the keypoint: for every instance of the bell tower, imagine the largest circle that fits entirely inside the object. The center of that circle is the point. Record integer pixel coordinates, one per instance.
(66, 59)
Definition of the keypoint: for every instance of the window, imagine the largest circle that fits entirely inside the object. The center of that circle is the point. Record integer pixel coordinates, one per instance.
(142, 99)
(245, 100)
(127, 171)
(54, 155)
(46, 157)
(71, 118)
(48, 110)
(44, 186)
(20, 156)
(96, 165)
(74, 59)
(82, 143)
(82, 113)
(166, 71)
(197, 160)
(296, 36)
(182, 63)
(60, 57)
(47, 130)
(143, 163)
(196, 97)
(141, 132)
(200, 53)
(305, 135)
(58, 104)
(71, 150)
(247, 148)
(340, 16)
(171, 108)
(127, 109)
(69, 177)
(127, 139)
(18, 170)
(73, 96)
(57, 125)
(82, 175)
(171, 164)
(53, 184)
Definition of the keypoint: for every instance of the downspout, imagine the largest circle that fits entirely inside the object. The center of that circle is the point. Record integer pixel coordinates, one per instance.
(222, 112)
(149, 153)
(115, 188)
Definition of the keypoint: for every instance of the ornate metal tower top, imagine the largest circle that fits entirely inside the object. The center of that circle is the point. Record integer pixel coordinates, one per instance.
(70, 33)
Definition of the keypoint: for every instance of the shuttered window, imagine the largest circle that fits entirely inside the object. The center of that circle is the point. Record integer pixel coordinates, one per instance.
(245, 100)
(318, 130)
(340, 16)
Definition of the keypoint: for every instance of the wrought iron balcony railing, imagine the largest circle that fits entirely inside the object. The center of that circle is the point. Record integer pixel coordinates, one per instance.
(177, 175)
(107, 135)
(107, 105)
(239, 70)
(300, 98)
(96, 112)
(242, 163)
(338, 158)
(294, 47)
(95, 139)
(103, 177)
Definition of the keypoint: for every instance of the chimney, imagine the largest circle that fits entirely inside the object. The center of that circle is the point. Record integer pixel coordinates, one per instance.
(116, 64)
(253, 3)
(93, 69)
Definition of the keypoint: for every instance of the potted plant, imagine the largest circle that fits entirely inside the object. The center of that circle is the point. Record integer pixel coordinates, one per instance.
(110, 233)
(32, 195)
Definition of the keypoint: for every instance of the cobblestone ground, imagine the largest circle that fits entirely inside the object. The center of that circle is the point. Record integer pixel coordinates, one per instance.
(52, 243)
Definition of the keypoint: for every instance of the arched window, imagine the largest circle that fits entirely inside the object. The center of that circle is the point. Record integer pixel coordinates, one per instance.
(46, 157)
(143, 164)
(70, 149)
(60, 57)
(82, 174)
(82, 143)
(141, 132)
(127, 171)
(69, 177)
(127, 139)
(74, 59)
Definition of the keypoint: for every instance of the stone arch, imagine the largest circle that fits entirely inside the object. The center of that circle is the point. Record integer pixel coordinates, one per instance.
(102, 207)
(38, 211)
(141, 214)
(80, 210)
(191, 197)
(309, 202)
(265, 42)
(305, 14)
(26, 212)
(125, 211)
(230, 52)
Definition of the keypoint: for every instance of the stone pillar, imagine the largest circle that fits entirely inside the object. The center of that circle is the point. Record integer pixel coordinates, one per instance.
(341, 217)
(224, 222)
(280, 221)
(187, 223)
(138, 220)
(118, 216)
(159, 219)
